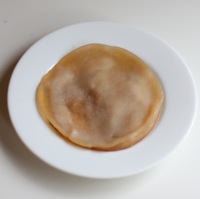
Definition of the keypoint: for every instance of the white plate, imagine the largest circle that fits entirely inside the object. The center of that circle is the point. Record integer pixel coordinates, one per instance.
(174, 124)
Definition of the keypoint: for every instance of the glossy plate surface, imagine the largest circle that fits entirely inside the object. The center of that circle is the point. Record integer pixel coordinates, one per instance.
(175, 122)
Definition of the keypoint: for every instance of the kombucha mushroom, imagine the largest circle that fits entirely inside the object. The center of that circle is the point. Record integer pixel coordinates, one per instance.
(101, 97)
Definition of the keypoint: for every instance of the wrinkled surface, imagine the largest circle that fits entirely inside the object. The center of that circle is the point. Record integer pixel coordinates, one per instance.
(101, 97)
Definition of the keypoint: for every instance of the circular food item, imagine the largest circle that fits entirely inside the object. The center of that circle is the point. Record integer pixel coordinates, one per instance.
(101, 97)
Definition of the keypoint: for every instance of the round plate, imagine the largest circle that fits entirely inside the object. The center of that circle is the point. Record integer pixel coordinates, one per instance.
(174, 124)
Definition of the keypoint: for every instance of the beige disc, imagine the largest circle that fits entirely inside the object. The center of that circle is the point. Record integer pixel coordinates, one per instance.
(101, 97)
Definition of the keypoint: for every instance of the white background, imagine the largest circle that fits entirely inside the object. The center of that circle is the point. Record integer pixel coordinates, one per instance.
(22, 23)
